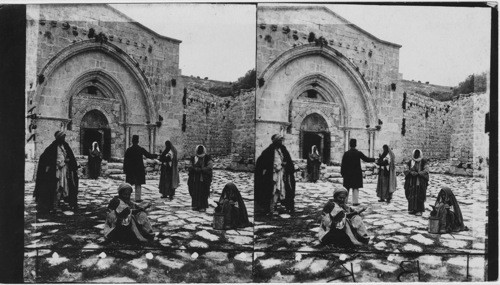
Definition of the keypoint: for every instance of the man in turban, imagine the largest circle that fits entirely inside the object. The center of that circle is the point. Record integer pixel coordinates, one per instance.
(57, 176)
(274, 178)
(351, 170)
(126, 221)
(341, 225)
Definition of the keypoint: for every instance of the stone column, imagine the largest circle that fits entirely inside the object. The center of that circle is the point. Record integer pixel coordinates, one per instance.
(371, 140)
(127, 136)
(347, 135)
(150, 140)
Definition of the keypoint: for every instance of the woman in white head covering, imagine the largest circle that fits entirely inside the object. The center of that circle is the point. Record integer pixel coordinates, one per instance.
(416, 181)
(200, 179)
(386, 184)
(169, 172)
(313, 164)
(95, 158)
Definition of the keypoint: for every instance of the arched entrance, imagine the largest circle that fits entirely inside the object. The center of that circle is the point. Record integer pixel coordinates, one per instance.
(314, 131)
(94, 127)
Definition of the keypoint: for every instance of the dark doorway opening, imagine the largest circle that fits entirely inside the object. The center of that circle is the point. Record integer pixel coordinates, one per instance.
(103, 138)
(321, 140)
(314, 131)
(94, 128)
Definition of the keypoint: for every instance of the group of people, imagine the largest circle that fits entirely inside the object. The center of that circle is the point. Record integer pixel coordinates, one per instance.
(340, 224)
(57, 181)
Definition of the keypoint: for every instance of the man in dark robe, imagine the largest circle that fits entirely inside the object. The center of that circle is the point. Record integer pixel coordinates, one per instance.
(274, 178)
(351, 170)
(57, 176)
(133, 166)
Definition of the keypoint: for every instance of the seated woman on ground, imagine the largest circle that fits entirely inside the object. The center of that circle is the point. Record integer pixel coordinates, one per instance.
(341, 225)
(126, 221)
(448, 212)
(232, 206)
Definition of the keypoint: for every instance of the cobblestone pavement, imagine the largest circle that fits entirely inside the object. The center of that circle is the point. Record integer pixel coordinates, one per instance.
(287, 249)
(68, 247)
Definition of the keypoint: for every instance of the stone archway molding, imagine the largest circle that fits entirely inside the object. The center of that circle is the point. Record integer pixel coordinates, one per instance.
(110, 50)
(326, 87)
(300, 119)
(105, 82)
(330, 54)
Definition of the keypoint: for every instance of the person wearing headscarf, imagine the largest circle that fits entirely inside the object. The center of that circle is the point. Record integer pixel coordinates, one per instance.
(169, 172)
(447, 210)
(416, 181)
(57, 176)
(386, 184)
(341, 225)
(126, 221)
(133, 166)
(313, 164)
(274, 178)
(94, 164)
(351, 172)
(232, 206)
(200, 178)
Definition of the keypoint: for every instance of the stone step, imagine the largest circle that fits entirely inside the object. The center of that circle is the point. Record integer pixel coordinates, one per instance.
(332, 175)
(332, 169)
(120, 177)
(113, 171)
(115, 165)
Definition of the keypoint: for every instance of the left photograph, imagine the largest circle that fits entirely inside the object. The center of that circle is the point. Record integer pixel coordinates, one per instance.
(140, 143)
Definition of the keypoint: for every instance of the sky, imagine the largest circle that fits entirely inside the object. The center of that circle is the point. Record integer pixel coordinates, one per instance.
(218, 41)
(442, 45)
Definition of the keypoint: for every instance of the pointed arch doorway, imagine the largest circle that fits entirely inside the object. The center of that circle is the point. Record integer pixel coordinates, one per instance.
(314, 131)
(94, 127)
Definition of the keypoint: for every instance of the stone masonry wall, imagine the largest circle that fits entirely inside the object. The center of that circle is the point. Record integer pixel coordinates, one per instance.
(469, 145)
(207, 122)
(242, 116)
(427, 126)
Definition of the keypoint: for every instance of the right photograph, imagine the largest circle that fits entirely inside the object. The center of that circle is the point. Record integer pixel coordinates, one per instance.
(372, 143)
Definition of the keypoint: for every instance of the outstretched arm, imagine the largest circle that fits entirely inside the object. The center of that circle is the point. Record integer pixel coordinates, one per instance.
(365, 158)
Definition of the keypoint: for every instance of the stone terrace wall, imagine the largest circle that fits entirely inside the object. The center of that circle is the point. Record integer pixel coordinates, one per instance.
(425, 89)
(205, 84)
(242, 116)
(207, 122)
(427, 124)
(469, 152)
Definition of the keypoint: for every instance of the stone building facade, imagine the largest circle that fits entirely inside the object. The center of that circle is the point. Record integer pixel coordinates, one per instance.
(95, 73)
(322, 80)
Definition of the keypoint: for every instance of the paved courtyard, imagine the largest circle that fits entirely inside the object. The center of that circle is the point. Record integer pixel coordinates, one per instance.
(68, 247)
(287, 248)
